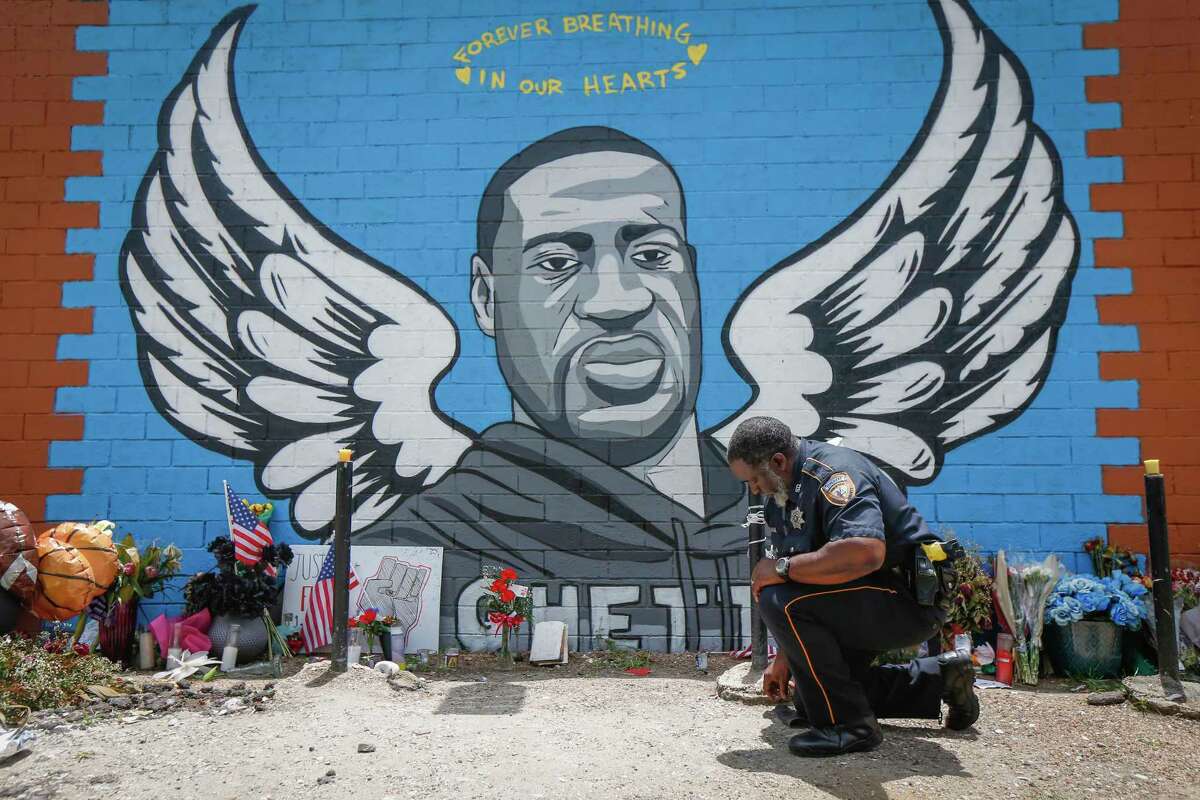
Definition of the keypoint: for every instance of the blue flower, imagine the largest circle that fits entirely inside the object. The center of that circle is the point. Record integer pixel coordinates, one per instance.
(1092, 601)
(1078, 584)
(1063, 610)
(1127, 614)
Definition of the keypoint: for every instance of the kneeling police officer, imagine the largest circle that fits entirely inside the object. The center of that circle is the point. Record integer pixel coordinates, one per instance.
(852, 571)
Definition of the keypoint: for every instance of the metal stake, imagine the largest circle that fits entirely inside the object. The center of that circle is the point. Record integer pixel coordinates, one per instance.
(341, 560)
(1160, 573)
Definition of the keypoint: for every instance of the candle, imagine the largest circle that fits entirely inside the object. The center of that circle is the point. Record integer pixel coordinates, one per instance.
(147, 650)
(345, 454)
(229, 654)
(175, 651)
(1152, 466)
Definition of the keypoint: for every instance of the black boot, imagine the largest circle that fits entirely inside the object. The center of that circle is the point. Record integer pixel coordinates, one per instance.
(791, 715)
(958, 690)
(837, 740)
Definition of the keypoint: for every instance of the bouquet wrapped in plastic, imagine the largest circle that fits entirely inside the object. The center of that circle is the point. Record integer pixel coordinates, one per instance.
(1021, 601)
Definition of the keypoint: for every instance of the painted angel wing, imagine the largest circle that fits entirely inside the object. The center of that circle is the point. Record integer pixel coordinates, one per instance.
(264, 336)
(930, 315)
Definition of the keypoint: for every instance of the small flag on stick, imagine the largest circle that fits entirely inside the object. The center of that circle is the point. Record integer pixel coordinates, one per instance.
(247, 531)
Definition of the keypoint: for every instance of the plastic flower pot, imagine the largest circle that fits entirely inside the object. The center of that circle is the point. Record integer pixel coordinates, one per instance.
(1089, 648)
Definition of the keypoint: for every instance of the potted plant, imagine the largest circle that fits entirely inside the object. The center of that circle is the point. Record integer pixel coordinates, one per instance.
(1088, 616)
(236, 593)
(141, 573)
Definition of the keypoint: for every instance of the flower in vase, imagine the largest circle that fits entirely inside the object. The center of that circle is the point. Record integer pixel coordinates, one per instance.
(1077, 584)
(498, 586)
(508, 574)
(1063, 610)
(151, 573)
(129, 568)
(1127, 614)
(507, 595)
(368, 616)
(1093, 601)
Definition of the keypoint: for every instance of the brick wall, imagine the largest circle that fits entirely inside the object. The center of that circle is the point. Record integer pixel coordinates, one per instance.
(1159, 141)
(38, 62)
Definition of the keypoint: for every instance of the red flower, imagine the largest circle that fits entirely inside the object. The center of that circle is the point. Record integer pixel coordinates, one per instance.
(507, 596)
(353, 623)
(499, 585)
(508, 574)
(128, 569)
(81, 649)
(367, 617)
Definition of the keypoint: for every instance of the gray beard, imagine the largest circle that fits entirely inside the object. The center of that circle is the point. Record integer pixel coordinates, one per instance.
(778, 489)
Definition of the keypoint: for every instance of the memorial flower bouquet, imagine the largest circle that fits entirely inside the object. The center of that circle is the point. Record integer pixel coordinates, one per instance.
(508, 606)
(1116, 597)
(1107, 558)
(373, 626)
(1021, 601)
(971, 605)
(1185, 586)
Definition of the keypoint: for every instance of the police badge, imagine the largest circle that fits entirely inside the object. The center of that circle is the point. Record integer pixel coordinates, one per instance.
(797, 518)
(839, 489)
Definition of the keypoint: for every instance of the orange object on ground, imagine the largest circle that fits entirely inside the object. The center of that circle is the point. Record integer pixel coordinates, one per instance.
(95, 546)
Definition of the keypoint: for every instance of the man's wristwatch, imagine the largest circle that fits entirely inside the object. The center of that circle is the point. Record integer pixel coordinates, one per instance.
(781, 567)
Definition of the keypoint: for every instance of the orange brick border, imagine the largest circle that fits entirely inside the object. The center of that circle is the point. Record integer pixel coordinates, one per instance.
(1159, 92)
(38, 62)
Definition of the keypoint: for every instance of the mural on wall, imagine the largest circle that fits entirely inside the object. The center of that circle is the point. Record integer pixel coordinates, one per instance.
(925, 319)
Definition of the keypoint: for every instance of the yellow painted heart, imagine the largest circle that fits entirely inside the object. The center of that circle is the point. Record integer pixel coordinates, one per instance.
(697, 52)
(464, 75)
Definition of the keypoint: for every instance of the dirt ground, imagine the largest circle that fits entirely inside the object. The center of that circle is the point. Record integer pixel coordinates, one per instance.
(588, 730)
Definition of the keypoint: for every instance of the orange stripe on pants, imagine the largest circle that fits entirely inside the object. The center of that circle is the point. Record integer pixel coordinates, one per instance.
(803, 649)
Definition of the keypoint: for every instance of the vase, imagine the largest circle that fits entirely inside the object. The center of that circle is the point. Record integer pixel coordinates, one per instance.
(116, 632)
(1089, 648)
(507, 642)
(252, 637)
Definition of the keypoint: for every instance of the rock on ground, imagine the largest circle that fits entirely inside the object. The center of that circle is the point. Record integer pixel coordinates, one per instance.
(1147, 691)
(742, 685)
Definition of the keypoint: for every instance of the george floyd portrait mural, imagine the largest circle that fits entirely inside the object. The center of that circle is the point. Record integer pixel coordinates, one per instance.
(924, 319)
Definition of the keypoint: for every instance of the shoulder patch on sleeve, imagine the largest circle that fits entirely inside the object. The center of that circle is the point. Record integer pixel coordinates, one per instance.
(817, 470)
(838, 489)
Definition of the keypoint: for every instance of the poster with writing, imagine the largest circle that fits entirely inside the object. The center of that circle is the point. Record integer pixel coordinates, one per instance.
(403, 582)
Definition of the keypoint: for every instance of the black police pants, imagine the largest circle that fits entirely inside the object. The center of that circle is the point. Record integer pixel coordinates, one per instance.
(830, 634)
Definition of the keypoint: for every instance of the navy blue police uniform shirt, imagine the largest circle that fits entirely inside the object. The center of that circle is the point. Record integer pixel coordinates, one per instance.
(838, 493)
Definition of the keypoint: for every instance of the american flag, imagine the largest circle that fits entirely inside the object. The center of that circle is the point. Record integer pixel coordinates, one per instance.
(248, 532)
(317, 629)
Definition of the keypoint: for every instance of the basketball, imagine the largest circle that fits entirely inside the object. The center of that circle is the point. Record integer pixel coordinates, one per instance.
(95, 546)
(65, 582)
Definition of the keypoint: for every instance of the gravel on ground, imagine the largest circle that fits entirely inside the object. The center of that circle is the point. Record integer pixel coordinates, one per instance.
(588, 730)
